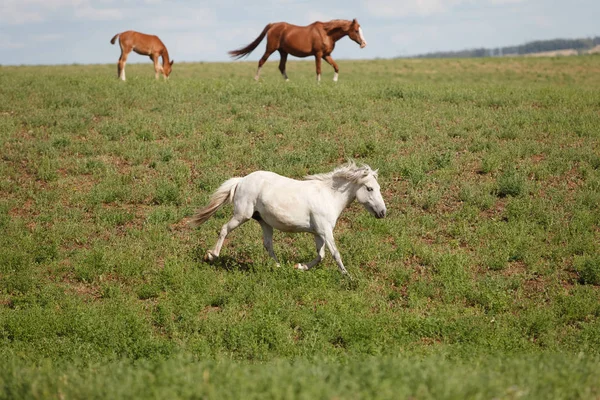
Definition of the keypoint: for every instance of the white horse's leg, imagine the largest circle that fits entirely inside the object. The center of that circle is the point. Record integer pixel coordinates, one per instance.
(268, 240)
(233, 223)
(334, 252)
(320, 244)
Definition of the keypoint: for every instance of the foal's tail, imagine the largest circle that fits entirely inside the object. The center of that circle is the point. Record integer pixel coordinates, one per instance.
(224, 193)
(112, 41)
(243, 52)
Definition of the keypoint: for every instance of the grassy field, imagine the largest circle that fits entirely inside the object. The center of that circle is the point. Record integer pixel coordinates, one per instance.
(482, 282)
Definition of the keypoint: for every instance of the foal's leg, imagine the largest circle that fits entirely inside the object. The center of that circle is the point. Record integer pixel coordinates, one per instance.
(320, 244)
(334, 65)
(268, 239)
(318, 62)
(122, 62)
(233, 223)
(157, 66)
(282, 62)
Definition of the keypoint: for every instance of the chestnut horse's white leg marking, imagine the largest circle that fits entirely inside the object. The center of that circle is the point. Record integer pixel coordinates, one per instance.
(123, 73)
(335, 77)
(257, 74)
(318, 78)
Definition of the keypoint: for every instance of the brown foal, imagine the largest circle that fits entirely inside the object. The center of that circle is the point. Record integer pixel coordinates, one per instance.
(146, 45)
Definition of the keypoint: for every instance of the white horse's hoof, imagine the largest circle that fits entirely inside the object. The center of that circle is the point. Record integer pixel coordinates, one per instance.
(210, 256)
(301, 267)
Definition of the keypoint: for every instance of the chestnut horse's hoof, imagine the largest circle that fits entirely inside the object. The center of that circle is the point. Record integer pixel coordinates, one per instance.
(301, 267)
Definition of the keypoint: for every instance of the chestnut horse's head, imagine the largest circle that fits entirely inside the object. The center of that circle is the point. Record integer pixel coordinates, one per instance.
(167, 67)
(356, 34)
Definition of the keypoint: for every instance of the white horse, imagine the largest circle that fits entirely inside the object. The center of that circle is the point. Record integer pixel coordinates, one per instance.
(312, 205)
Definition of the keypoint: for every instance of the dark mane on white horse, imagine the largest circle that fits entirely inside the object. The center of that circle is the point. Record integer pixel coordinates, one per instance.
(349, 172)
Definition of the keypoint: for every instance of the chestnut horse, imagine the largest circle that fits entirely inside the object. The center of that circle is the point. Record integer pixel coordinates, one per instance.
(317, 39)
(146, 45)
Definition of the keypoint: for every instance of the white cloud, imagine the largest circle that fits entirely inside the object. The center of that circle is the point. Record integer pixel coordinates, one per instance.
(192, 46)
(542, 21)
(243, 35)
(12, 12)
(98, 14)
(500, 2)
(19, 12)
(384, 8)
(185, 19)
(46, 3)
(47, 37)
(422, 34)
(389, 9)
(15, 17)
(313, 16)
(7, 42)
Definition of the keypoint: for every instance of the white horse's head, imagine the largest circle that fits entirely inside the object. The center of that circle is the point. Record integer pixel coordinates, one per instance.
(363, 183)
(369, 193)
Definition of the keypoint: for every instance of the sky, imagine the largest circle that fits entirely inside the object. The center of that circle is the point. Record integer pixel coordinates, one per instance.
(79, 31)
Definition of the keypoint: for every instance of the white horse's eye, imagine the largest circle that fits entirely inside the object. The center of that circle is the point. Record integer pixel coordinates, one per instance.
(369, 188)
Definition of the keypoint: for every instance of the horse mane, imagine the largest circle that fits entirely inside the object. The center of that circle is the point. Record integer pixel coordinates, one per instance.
(336, 24)
(349, 172)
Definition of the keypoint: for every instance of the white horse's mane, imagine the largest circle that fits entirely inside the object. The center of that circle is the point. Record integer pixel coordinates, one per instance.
(348, 172)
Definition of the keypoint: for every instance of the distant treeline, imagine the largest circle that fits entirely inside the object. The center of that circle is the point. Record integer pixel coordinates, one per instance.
(527, 48)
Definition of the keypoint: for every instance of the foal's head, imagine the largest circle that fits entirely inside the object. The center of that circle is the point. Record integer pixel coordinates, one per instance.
(167, 68)
(355, 33)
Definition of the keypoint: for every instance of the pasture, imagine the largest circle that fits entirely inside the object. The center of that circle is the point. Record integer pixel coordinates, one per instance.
(483, 281)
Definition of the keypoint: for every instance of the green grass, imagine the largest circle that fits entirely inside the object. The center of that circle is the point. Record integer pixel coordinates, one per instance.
(482, 282)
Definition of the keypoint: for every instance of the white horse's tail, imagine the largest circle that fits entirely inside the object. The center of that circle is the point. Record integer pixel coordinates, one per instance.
(224, 193)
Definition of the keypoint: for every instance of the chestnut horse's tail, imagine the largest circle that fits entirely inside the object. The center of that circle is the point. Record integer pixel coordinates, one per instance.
(112, 41)
(223, 194)
(243, 52)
